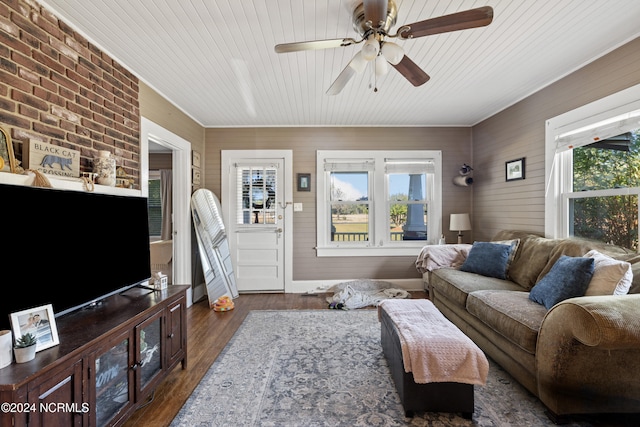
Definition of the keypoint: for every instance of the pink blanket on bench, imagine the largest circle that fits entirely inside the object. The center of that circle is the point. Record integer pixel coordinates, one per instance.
(433, 348)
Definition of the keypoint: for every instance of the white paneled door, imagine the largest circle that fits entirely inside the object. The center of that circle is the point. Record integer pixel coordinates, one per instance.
(256, 199)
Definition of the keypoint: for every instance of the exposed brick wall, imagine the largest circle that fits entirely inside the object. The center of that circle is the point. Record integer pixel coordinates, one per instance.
(57, 88)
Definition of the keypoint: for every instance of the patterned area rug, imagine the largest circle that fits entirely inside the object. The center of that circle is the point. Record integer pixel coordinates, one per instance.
(326, 368)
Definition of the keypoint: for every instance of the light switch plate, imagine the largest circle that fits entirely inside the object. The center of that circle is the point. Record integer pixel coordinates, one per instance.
(297, 207)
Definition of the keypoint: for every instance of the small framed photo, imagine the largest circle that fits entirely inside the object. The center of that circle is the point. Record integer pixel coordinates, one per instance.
(304, 182)
(195, 176)
(40, 321)
(7, 160)
(195, 159)
(514, 169)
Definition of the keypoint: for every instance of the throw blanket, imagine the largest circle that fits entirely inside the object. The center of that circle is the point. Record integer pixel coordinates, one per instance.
(363, 293)
(432, 257)
(433, 348)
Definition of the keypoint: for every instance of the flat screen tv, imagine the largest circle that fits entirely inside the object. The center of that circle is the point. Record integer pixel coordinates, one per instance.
(69, 248)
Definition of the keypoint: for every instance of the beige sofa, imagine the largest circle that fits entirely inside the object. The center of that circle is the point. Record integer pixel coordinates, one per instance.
(581, 356)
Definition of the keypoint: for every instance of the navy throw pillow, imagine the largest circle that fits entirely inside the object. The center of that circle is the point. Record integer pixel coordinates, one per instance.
(569, 277)
(488, 259)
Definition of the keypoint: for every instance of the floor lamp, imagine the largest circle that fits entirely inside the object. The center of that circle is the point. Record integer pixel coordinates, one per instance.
(459, 222)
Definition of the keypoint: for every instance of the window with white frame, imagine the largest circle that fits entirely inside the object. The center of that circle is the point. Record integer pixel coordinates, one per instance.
(378, 202)
(593, 171)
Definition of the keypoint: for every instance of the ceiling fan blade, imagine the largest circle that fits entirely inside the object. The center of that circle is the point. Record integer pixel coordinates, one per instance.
(313, 45)
(411, 71)
(376, 11)
(472, 18)
(355, 66)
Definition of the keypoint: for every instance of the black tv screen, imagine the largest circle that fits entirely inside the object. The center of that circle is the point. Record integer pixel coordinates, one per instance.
(69, 248)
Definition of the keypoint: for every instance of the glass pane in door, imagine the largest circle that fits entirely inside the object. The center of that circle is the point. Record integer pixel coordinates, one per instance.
(257, 198)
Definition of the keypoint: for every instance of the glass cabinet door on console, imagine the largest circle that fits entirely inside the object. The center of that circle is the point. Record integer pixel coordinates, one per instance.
(113, 380)
(149, 354)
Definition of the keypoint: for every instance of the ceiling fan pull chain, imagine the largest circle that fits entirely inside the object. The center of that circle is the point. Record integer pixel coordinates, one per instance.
(375, 81)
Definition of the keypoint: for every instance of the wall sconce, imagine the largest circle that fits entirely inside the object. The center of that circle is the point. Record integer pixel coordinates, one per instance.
(463, 180)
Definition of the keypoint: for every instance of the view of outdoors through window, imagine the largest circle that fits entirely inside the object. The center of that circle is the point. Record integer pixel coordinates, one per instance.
(351, 206)
(614, 165)
(258, 198)
(349, 201)
(407, 206)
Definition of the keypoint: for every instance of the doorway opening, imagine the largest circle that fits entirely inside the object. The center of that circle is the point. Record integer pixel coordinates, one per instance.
(155, 138)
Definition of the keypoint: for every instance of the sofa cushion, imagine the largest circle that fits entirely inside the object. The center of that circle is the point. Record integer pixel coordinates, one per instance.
(456, 285)
(610, 276)
(577, 247)
(488, 259)
(635, 284)
(569, 277)
(530, 260)
(510, 313)
(514, 243)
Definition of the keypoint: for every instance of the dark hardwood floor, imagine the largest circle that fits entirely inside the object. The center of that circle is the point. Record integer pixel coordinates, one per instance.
(208, 333)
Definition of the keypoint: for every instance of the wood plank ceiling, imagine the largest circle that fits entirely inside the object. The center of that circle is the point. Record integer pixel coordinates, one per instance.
(215, 59)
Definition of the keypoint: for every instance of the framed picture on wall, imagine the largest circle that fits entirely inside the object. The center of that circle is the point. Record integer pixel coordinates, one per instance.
(195, 159)
(195, 176)
(304, 182)
(514, 169)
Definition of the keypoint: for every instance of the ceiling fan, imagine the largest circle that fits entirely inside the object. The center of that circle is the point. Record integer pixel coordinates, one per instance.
(373, 19)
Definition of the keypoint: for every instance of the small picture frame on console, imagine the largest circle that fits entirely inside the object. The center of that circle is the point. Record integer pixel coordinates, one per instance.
(39, 321)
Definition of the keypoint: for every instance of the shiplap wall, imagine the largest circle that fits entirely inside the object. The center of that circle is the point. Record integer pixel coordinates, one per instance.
(519, 131)
(455, 144)
(160, 111)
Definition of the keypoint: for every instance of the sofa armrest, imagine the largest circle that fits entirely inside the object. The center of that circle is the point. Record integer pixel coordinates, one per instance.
(610, 322)
(588, 355)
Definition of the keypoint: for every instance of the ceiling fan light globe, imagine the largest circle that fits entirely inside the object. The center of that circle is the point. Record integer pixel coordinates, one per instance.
(392, 53)
(382, 66)
(370, 49)
(358, 63)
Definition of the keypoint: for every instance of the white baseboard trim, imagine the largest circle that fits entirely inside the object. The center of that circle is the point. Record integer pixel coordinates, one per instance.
(320, 286)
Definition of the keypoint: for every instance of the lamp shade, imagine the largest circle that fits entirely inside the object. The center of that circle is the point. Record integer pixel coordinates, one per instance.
(459, 222)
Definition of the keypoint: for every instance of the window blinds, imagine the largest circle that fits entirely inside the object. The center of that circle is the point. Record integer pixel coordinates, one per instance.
(348, 165)
(598, 131)
(410, 166)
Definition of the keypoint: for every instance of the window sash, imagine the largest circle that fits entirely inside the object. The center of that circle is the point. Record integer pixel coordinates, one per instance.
(565, 162)
(345, 238)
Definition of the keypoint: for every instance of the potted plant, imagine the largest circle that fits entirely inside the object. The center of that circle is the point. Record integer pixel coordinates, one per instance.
(25, 348)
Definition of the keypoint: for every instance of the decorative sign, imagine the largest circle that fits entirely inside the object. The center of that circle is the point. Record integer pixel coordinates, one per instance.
(52, 159)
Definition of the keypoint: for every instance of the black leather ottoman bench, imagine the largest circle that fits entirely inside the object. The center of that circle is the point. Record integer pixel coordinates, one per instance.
(421, 397)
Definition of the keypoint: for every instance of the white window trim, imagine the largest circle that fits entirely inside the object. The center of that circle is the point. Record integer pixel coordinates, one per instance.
(558, 177)
(376, 245)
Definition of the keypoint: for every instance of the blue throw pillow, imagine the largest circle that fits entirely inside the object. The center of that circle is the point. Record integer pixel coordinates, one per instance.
(569, 277)
(488, 259)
